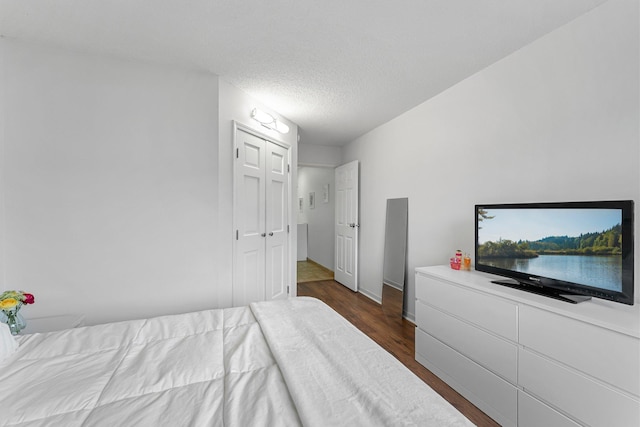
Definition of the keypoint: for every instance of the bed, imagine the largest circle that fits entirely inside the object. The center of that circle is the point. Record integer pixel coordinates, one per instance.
(278, 363)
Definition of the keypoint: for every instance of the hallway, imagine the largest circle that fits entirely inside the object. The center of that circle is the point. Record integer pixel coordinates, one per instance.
(309, 271)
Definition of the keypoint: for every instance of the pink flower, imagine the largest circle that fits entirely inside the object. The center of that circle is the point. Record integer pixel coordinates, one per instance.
(28, 299)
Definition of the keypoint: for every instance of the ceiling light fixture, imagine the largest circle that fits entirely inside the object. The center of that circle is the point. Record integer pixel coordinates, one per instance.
(268, 121)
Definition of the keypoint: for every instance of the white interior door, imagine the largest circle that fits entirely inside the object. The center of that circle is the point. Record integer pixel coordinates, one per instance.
(249, 218)
(347, 225)
(277, 208)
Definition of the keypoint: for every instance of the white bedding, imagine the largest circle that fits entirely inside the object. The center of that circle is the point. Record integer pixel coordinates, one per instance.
(216, 368)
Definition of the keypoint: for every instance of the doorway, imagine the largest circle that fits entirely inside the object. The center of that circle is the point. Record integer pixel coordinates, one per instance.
(311, 271)
(315, 215)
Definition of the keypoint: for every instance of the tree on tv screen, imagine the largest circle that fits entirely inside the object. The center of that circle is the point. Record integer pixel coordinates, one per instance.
(608, 242)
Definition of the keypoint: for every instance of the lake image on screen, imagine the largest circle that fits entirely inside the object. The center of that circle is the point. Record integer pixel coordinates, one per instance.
(575, 245)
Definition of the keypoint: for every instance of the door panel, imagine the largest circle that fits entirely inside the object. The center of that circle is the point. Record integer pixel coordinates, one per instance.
(277, 216)
(348, 256)
(277, 209)
(249, 218)
(252, 151)
(252, 264)
(278, 161)
(276, 273)
(250, 201)
(347, 225)
(340, 253)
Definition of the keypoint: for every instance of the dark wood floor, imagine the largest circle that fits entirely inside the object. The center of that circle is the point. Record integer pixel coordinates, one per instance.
(392, 332)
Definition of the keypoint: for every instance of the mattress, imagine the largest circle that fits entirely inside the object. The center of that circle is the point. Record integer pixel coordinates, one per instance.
(278, 363)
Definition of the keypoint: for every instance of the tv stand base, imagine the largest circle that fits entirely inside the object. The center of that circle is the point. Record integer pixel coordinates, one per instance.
(550, 293)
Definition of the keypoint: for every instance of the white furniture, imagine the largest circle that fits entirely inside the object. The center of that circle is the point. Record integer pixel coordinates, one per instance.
(528, 360)
(53, 323)
(261, 219)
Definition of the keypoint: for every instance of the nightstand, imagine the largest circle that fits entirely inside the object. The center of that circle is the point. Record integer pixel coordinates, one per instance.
(53, 323)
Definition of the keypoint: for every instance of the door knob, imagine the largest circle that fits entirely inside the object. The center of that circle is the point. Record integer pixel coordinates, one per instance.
(263, 234)
(271, 234)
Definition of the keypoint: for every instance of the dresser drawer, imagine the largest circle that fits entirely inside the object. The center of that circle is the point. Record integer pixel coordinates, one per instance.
(489, 312)
(494, 353)
(609, 356)
(586, 400)
(533, 413)
(493, 395)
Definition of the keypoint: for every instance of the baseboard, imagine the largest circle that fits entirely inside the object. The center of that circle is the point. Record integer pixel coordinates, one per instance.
(319, 265)
(410, 317)
(370, 296)
(394, 285)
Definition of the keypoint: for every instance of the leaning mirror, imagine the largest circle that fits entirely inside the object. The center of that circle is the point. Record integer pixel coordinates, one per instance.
(395, 251)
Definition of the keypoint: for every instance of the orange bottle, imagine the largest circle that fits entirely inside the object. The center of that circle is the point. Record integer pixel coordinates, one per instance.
(466, 262)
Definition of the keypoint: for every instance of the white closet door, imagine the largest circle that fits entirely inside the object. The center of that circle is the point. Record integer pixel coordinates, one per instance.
(250, 196)
(261, 218)
(277, 240)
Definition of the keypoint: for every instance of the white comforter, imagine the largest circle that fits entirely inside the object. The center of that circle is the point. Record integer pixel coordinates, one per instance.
(216, 368)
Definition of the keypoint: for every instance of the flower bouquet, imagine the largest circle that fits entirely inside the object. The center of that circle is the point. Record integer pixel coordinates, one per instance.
(10, 303)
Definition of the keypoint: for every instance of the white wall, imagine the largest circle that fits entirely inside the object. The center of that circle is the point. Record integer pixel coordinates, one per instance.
(321, 218)
(237, 105)
(109, 183)
(117, 178)
(319, 155)
(557, 120)
(2, 166)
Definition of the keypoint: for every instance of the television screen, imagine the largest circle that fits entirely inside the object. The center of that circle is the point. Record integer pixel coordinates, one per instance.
(584, 248)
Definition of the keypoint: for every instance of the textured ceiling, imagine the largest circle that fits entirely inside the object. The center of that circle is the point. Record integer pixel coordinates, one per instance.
(336, 68)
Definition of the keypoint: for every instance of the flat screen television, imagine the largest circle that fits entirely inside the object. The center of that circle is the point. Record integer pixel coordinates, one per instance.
(569, 251)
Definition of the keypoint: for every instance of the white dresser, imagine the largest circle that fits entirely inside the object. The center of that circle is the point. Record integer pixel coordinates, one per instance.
(525, 359)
